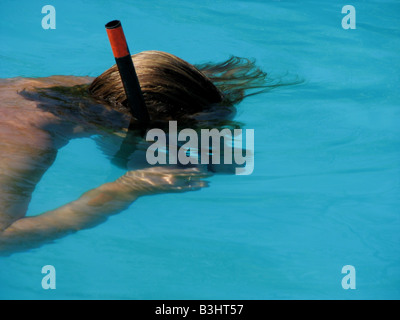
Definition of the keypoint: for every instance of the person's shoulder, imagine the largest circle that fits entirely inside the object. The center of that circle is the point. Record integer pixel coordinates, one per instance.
(67, 81)
(43, 82)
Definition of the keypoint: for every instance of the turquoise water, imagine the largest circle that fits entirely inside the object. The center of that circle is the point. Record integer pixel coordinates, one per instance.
(325, 189)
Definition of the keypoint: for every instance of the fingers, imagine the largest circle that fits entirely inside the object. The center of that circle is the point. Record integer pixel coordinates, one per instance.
(162, 179)
(193, 186)
(177, 171)
(200, 172)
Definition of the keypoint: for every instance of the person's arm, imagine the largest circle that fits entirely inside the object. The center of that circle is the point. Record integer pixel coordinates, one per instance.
(94, 206)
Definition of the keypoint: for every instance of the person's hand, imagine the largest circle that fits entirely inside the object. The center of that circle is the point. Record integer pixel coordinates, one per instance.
(163, 180)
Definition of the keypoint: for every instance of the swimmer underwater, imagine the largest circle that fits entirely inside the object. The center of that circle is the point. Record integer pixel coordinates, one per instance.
(38, 116)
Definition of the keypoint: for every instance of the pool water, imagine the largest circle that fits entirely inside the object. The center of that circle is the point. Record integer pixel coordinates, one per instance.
(325, 189)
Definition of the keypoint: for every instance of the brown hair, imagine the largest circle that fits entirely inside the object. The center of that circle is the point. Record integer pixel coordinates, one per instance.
(174, 89)
(171, 87)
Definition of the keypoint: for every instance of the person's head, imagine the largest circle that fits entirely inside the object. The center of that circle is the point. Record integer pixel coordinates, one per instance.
(172, 88)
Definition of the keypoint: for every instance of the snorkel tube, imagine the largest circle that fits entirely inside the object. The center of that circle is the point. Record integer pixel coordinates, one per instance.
(127, 72)
(133, 93)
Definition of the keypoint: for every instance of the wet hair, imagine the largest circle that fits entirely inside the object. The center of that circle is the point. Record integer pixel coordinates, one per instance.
(174, 89)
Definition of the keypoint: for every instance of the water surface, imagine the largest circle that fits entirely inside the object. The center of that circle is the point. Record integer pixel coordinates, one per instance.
(325, 189)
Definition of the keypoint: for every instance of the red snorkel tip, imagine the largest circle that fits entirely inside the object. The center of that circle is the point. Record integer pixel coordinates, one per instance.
(127, 71)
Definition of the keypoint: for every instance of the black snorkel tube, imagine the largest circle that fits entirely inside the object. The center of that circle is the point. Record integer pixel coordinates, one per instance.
(127, 72)
(133, 92)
